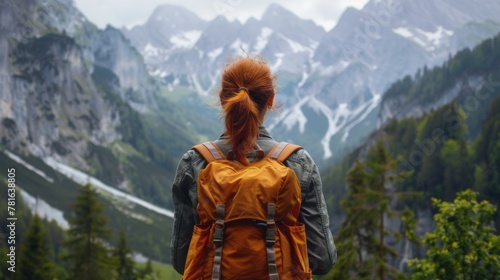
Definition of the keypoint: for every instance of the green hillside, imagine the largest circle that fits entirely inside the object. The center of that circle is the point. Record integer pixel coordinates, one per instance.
(148, 232)
(449, 149)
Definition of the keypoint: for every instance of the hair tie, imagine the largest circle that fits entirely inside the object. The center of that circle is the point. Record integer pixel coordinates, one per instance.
(243, 88)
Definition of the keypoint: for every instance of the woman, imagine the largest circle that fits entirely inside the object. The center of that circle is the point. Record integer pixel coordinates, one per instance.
(247, 92)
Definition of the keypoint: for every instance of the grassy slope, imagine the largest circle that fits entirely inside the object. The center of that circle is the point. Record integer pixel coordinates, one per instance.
(163, 271)
(148, 234)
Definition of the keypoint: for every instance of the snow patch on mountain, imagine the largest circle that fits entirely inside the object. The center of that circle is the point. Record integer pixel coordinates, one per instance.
(296, 116)
(436, 38)
(50, 213)
(159, 73)
(331, 69)
(360, 114)
(403, 31)
(292, 116)
(29, 166)
(279, 60)
(430, 41)
(314, 44)
(262, 40)
(336, 120)
(238, 45)
(305, 75)
(199, 88)
(295, 46)
(82, 179)
(215, 53)
(406, 33)
(152, 53)
(44, 210)
(340, 119)
(185, 39)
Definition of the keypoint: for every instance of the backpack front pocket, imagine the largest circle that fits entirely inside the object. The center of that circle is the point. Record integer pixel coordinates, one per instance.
(295, 259)
(199, 252)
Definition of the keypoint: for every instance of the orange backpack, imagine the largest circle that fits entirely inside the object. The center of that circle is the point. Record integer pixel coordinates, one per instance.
(248, 219)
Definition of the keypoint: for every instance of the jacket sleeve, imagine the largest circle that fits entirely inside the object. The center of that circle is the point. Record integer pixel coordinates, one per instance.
(184, 219)
(322, 252)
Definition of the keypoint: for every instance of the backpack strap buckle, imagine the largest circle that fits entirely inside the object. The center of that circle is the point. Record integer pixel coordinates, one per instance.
(220, 210)
(270, 225)
(270, 236)
(218, 233)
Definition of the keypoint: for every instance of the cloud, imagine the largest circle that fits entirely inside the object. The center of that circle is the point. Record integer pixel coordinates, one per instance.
(120, 13)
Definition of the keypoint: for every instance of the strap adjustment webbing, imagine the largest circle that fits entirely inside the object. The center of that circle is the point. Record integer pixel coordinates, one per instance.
(220, 210)
(270, 240)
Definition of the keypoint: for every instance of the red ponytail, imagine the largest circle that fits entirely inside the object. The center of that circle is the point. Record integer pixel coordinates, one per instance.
(247, 85)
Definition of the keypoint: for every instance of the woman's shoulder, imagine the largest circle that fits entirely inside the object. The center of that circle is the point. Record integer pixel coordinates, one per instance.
(302, 156)
(191, 159)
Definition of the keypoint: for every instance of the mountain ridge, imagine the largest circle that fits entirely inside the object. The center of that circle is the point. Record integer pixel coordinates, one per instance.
(346, 65)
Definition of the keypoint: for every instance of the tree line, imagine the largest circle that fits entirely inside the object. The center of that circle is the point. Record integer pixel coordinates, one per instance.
(406, 168)
(84, 251)
(463, 245)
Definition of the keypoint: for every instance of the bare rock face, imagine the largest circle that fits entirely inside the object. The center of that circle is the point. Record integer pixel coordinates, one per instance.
(54, 103)
(50, 104)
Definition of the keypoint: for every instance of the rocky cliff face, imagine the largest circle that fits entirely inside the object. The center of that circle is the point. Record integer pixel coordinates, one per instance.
(402, 106)
(50, 104)
(56, 107)
(111, 50)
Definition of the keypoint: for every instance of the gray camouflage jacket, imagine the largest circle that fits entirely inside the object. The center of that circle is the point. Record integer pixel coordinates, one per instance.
(313, 213)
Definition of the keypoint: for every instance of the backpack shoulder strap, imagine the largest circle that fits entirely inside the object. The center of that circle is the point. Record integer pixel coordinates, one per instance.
(282, 151)
(210, 151)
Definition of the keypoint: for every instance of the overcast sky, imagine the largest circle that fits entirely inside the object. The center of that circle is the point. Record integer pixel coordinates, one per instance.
(127, 13)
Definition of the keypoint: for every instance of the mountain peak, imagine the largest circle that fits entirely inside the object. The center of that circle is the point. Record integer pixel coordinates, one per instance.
(289, 24)
(220, 19)
(175, 16)
(276, 10)
(221, 23)
(166, 9)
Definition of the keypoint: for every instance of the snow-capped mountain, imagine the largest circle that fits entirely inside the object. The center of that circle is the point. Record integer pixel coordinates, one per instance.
(330, 83)
(168, 26)
(191, 52)
(387, 40)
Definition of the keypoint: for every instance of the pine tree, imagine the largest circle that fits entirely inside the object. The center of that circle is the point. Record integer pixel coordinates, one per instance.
(35, 254)
(87, 252)
(363, 234)
(352, 236)
(380, 177)
(494, 163)
(479, 179)
(122, 253)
